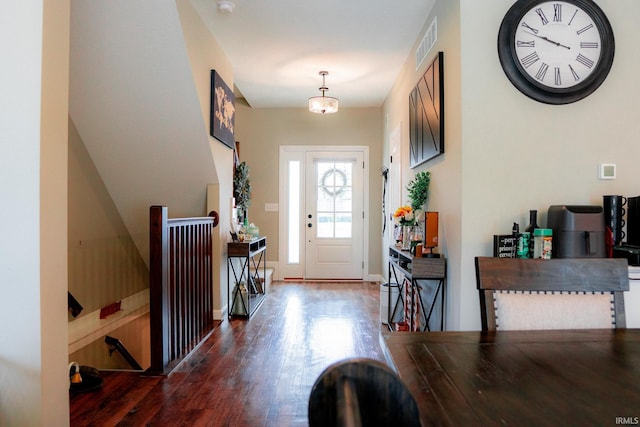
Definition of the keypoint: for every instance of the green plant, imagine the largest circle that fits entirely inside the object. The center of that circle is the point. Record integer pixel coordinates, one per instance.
(242, 186)
(418, 189)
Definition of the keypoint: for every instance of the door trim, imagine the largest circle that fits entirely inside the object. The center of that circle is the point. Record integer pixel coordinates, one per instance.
(287, 151)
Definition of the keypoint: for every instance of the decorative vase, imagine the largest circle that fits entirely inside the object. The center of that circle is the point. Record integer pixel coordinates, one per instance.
(397, 235)
(407, 237)
(416, 239)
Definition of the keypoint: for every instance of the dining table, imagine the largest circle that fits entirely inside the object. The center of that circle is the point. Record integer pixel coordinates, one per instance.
(582, 377)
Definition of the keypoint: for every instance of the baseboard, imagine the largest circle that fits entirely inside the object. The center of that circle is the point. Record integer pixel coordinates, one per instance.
(274, 266)
(220, 314)
(376, 278)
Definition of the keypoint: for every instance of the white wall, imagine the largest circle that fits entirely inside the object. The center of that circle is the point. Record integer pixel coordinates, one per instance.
(519, 154)
(135, 106)
(20, 368)
(205, 55)
(34, 86)
(53, 213)
(446, 185)
(140, 102)
(506, 154)
(261, 131)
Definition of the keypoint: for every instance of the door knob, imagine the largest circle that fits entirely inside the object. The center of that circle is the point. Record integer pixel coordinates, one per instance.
(310, 216)
(309, 225)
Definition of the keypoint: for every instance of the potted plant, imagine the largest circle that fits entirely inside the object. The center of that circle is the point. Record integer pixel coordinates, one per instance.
(242, 188)
(418, 190)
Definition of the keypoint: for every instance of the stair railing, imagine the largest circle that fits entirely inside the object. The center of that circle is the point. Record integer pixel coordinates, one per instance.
(180, 288)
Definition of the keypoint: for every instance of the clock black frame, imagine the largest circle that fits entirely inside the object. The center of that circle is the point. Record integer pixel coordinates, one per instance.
(534, 90)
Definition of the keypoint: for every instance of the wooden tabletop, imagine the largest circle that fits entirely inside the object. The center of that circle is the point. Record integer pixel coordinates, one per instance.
(577, 377)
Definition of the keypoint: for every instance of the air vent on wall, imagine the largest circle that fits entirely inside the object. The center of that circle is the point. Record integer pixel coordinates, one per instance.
(427, 42)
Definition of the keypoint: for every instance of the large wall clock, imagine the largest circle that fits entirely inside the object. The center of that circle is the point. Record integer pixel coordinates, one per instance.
(556, 52)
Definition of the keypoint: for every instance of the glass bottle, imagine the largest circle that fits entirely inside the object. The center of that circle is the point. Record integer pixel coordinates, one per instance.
(533, 224)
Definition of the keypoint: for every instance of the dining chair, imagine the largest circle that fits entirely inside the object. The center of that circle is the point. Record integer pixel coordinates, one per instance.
(361, 392)
(569, 293)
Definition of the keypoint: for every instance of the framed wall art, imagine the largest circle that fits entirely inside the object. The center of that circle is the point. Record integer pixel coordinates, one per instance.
(426, 114)
(223, 110)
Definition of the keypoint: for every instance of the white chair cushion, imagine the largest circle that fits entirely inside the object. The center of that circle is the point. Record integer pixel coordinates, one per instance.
(553, 310)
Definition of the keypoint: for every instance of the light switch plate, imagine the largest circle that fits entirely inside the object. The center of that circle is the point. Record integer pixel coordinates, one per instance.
(271, 207)
(607, 171)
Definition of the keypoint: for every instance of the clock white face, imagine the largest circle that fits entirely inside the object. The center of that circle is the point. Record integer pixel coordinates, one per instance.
(557, 44)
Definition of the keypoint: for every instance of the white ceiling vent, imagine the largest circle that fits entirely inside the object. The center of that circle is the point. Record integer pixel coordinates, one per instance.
(429, 39)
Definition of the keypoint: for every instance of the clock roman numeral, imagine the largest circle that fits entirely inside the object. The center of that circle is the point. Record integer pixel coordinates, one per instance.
(585, 61)
(575, 75)
(542, 16)
(557, 76)
(557, 12)
(588, 45)
(583, 29)
(530, 59)
(573, 16)
(524, 24)
(531, 43)
(542, 71)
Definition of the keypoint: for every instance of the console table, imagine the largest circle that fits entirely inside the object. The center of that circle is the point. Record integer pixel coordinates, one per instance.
(421, 290)
(244, 261)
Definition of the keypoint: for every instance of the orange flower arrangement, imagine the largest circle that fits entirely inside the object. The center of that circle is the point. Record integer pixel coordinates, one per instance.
(404, 216)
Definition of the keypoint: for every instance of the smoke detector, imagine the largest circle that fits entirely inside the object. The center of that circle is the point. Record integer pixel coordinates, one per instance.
(225, 6)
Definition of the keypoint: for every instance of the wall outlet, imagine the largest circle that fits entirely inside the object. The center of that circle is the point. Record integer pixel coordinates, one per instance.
(271, 207)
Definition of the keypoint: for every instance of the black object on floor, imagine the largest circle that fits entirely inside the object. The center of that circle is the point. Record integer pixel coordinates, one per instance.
(91, 379)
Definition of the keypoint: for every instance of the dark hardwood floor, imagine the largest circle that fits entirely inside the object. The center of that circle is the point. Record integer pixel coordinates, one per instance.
(248, 373)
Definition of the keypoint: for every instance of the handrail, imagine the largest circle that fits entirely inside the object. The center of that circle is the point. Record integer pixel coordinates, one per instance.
(74, 306)
(180, 288)
(117, 345)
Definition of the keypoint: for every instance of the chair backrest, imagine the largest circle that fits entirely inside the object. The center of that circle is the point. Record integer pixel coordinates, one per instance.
(570, 293)
(361, 392)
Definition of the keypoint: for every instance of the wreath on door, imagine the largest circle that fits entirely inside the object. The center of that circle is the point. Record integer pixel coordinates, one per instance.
(332, 188)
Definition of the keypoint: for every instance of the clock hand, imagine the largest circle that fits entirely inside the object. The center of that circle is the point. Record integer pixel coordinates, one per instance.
(549, 40)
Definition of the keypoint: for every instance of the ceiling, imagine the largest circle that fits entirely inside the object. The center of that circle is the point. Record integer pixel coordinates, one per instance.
(278, 47)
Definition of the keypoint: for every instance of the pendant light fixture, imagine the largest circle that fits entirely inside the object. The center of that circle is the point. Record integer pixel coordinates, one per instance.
(323, 104)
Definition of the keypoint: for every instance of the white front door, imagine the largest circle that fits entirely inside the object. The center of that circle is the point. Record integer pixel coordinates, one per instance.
(334, 215)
